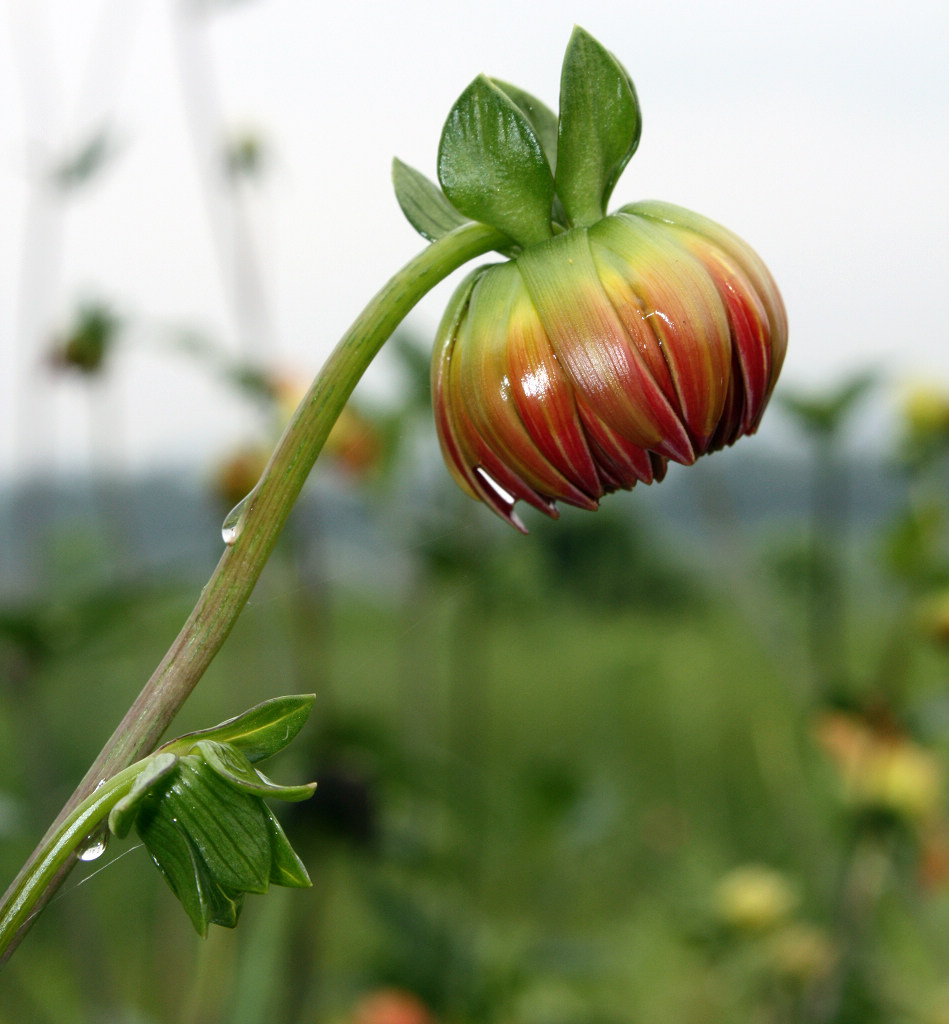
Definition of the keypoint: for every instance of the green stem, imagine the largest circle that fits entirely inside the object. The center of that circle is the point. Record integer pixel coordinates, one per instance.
(264, 513)
(19, 905)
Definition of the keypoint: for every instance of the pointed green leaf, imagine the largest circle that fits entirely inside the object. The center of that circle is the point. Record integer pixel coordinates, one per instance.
(123, 814)
(599, 128)
(286, 868)
(541, 118)
(259, 732)
(492, 167)
(175, 858)
(232, 766)
(424, 204)
(544, 122)
(224, 905)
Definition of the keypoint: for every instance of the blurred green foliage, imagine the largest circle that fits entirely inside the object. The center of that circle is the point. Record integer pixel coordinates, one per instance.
(540, 760)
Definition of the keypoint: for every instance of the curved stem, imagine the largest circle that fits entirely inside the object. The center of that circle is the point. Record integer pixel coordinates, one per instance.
(20, 903)
(262, 516)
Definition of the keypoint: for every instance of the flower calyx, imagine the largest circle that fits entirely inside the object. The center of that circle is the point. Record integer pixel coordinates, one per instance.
(506, 160)
(198, 807)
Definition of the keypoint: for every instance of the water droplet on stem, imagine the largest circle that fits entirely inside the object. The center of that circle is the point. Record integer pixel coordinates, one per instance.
(93, 846)
(233, 523)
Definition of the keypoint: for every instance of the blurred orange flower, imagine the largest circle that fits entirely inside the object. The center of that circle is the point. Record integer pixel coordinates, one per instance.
(355, 442)
(391, 1006)
(238, 474)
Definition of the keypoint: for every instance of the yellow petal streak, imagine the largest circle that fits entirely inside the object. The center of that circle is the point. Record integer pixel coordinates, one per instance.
(544, 398)
(496, 320)
(665, 294)
(742, 253)
(609, 374)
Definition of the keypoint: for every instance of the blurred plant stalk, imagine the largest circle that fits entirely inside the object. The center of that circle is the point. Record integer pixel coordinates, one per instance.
(823, 419)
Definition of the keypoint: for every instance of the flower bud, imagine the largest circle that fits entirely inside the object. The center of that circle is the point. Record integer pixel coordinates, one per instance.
(198, 807)
(607, 344)
(586, 362)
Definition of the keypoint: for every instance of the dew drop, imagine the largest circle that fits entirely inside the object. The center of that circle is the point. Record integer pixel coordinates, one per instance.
(233, 524)
(93, 846)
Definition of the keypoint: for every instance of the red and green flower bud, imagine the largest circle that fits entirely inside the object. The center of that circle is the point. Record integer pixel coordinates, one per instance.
(586, 362)
(607, 344)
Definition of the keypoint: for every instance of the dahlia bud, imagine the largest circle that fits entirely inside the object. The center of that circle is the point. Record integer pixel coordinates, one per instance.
(605, 345)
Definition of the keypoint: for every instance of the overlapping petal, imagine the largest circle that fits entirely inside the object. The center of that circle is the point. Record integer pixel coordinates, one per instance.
(759, 287)
(667, 295)
(607, 370)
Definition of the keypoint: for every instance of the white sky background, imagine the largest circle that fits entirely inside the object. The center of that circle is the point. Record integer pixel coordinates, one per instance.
(816, 129)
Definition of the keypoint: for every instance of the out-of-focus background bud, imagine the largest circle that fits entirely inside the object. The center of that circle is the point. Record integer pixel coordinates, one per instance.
(754, 898)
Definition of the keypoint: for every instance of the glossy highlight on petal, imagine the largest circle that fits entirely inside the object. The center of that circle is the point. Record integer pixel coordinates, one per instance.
(606, 369)
(592, 359)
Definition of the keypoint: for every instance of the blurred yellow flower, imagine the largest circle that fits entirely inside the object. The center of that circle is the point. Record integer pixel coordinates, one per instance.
(933, 617)
(288, 391)
(754, 898)
(925, 409)
(882, 770)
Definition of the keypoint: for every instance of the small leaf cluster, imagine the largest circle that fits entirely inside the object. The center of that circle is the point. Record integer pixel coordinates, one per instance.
(506, 160)
(88, 341)
(198, 807)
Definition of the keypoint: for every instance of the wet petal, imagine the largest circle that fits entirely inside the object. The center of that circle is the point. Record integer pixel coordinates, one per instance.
(495, 317)
(476, 469)
(742, 253)
(653, 279)
(545, 400)
(608, 373)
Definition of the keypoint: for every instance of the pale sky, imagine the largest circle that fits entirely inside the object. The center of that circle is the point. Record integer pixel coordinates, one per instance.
(816, 129)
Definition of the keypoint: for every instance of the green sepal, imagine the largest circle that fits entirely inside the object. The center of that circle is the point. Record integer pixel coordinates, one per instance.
(178, 860)
(492, 167)
(231, 765)
(424, 204)
(600, 124)
(286, 868)
(225, 826)
(544, 122)
(123, 814)
(541, 118)
(198, 807)
(260, 732)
